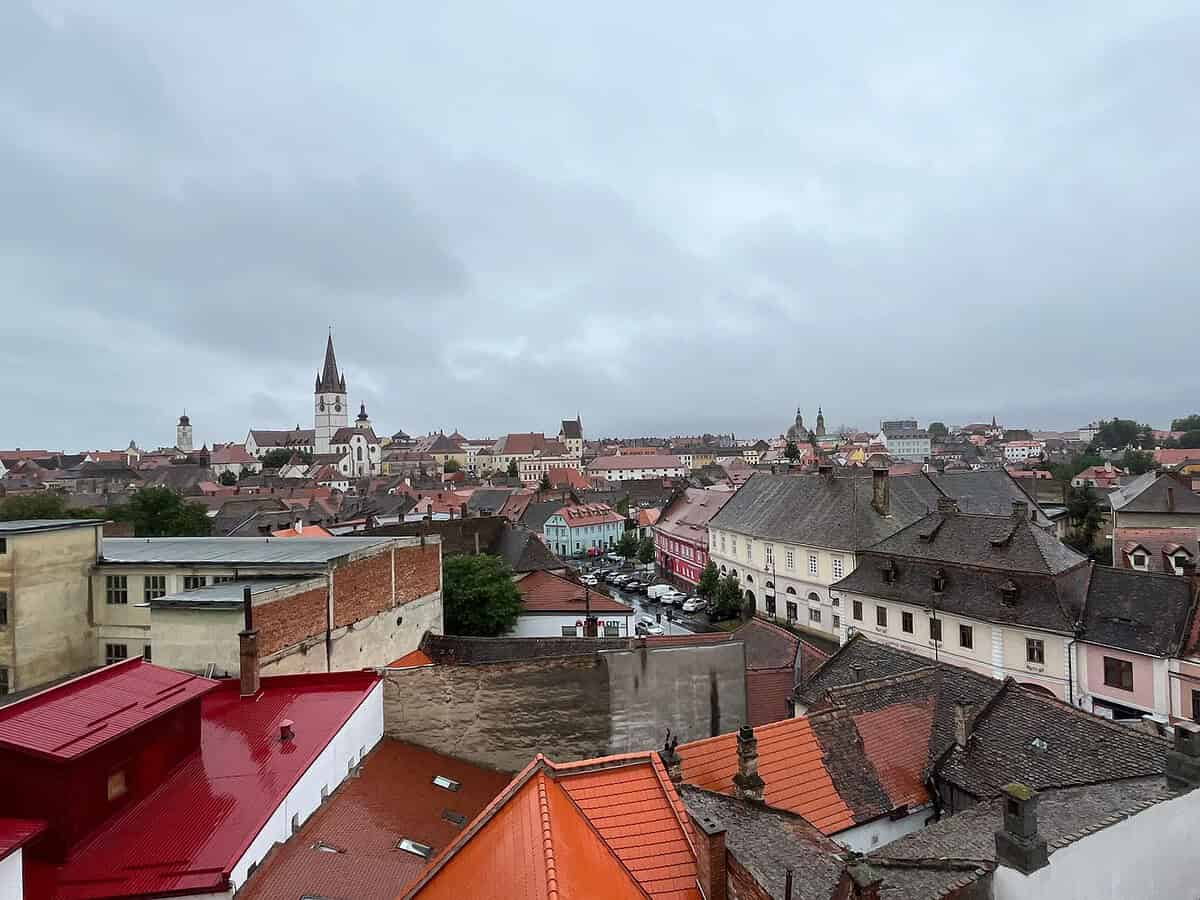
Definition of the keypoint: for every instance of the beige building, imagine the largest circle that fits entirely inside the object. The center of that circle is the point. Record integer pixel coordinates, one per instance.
(45, 600)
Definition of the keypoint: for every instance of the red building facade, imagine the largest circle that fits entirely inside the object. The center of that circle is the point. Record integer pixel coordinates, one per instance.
(681, 534)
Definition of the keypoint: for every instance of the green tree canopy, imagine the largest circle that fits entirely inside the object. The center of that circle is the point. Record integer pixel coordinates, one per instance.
(1137, 462)
(1083, 508)
(1064, 472)
(627, 546)
(1187, 423)
(279, 457)
(160, 512)
(513, 471)
(623, 506)
(228, 478)
(1117, 433)
(545, 484)
(46, 505)
(710, 578)
(727, 604)
(645, 551)
(791, 451)
(938, 429)
(1190, 440)
(451, 466)
(479, 597)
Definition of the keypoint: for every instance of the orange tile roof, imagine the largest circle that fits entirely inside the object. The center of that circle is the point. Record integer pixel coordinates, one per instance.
(896, 741)
(589, 514)
(308, 531)
(411, 660)
(560, 831)
(790, 761)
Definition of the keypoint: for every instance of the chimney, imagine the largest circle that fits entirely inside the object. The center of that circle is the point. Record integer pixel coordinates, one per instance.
(1018, 844)
(1020, 510)
(1183, 760)
(248, 648)
(961, 732)
(463, 510)
(710, 857)
(298, 525)
(825, 469)
(671, 760)
(747, 785)
(947, 506)
(880, 491)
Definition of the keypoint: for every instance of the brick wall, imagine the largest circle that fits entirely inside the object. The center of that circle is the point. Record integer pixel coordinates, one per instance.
(282, 623)
(741, 884)
(363, 588)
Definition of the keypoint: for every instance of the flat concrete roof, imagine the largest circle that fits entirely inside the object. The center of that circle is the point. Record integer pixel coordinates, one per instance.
(29, 526)
(234, 551)
(226, 594)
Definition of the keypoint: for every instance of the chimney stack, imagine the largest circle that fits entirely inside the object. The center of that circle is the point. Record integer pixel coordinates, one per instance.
(880, 491)
(710, 857)
(248, 648)
(671, 760)
(286, 731)
(747, 785)
(1018, 844)
(1020, 510)
(859, 883)
(1183, 760)
(947, 506)
(960, 724)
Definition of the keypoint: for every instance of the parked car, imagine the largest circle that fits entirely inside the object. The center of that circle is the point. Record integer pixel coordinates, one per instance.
(692, 604)
(646, 628)
(634, 586)
(590, 580)
(671, 597)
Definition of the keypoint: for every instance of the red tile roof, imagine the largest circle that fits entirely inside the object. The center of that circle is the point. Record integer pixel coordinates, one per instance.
(186, 835)
(16, 833)
(790, 761)
(635, 461)
(411, 660)
(767, 694)
(896, 741)
(546, 592)
(562, 477)
(229, 455)
(562, 831)
(308, 531)
(69, 719)
(589, 514)
(393, 797)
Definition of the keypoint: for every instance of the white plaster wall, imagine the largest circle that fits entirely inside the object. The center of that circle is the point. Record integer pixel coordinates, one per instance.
(361, 732)
(873, 835)
(378, 640)
(1151, 854)
(10, 877)
(552, 625)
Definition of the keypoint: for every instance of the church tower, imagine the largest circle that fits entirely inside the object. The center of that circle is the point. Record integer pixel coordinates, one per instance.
(820, 423)
(329, 401)
(183, 434)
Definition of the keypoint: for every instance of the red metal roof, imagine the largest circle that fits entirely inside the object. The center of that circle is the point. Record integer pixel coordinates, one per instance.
(69, 719)
(546, 592)
(15, 833)
(186, 836)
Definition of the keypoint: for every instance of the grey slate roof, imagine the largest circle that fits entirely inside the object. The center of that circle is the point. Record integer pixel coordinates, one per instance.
(767, 646)
(986, 491)
(491, 499)
(1149, 493)
(859, 659)
(524, 552)
(767, 842)
(234, 551)
(535, 515)
(571, 429)
(824, 510)
(1138, 611)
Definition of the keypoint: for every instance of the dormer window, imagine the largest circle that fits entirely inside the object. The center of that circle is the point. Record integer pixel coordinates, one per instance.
(1009, 592)
(938, 581)
(1138, 561)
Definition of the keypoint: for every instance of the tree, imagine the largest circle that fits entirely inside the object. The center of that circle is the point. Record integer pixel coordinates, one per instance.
(645, 551)
(513, 471)
(710, 579)
(791, 451)
(938, 429)
(1084, 511)
(727, 604)
(279, 457)
(160, 512)
(1064, 472)
(627, 546)
(1137, 462)
(623, 506)
(41, 506)
(545, 484)
(451, 466)
(1190, 440)
(228, 478)
(1116, 433)
(1187, 423)
(479, 597)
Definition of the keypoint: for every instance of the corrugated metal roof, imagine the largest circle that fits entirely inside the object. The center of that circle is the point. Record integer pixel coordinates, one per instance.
(15, 833)
(25, 526)
(231, 551)
(229, 593)
(68, 720)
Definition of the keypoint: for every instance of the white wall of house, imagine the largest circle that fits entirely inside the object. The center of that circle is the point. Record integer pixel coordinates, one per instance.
(553, 624)
(353, 741)
(1151, 854)
(873, 835)
(10, 877)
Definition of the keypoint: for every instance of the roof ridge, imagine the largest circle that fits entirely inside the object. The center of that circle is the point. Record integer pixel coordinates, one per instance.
(547, 839)
(859, 687)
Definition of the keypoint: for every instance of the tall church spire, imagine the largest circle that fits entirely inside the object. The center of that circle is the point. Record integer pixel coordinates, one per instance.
(329, 380)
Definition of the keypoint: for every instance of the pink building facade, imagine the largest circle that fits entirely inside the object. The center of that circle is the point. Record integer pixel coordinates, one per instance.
(681, 533)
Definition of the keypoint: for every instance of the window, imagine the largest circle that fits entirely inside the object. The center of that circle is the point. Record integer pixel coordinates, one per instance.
(812, 565)
(3, 545)
(857, 610)
(569, 631)
(223, 579)
(446, 784)
(415, 848)
(814, 615)
(3, 608)
(154, 586)
(769, 555)
(146, 653)
(881, 616)
(1139, 560)
(749, 551)
(4, 688)
(906, 622)
(722, 543)
(612, 629)
(814, 597)
(935, 630)
(789, 559)
(116, 590)
(1035, 651)
(194, 582)
(839, 569)
(1118, 673)
(1195, 700)
(116, 785)
(966, 636)
(770, 605)
(837, 622)
(115, 653)
(793, 611)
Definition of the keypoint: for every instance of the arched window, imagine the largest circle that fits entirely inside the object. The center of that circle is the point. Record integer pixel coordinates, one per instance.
(360, 454)
(723, 570)
(750, 599)
(749, 579)
(733, 573)
(791, 590)
(814, 597)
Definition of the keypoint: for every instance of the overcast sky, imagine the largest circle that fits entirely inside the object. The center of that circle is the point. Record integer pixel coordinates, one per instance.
(667, 217)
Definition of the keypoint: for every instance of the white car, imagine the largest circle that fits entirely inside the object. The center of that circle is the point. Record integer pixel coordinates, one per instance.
(671, 597)
(589, 580)
(692, 604)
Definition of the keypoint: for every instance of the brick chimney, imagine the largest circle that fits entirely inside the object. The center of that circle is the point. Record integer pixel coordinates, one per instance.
(1018, 844)
(747, 785)
(1020, 510)
(1183, 760)
(710, 857)
(248, 649)
(881, 491)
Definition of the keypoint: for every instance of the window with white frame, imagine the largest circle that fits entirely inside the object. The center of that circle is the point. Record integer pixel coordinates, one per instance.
(839, 569)
(769, 554)
(749, 550)
(789, 559)
(812, 564)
